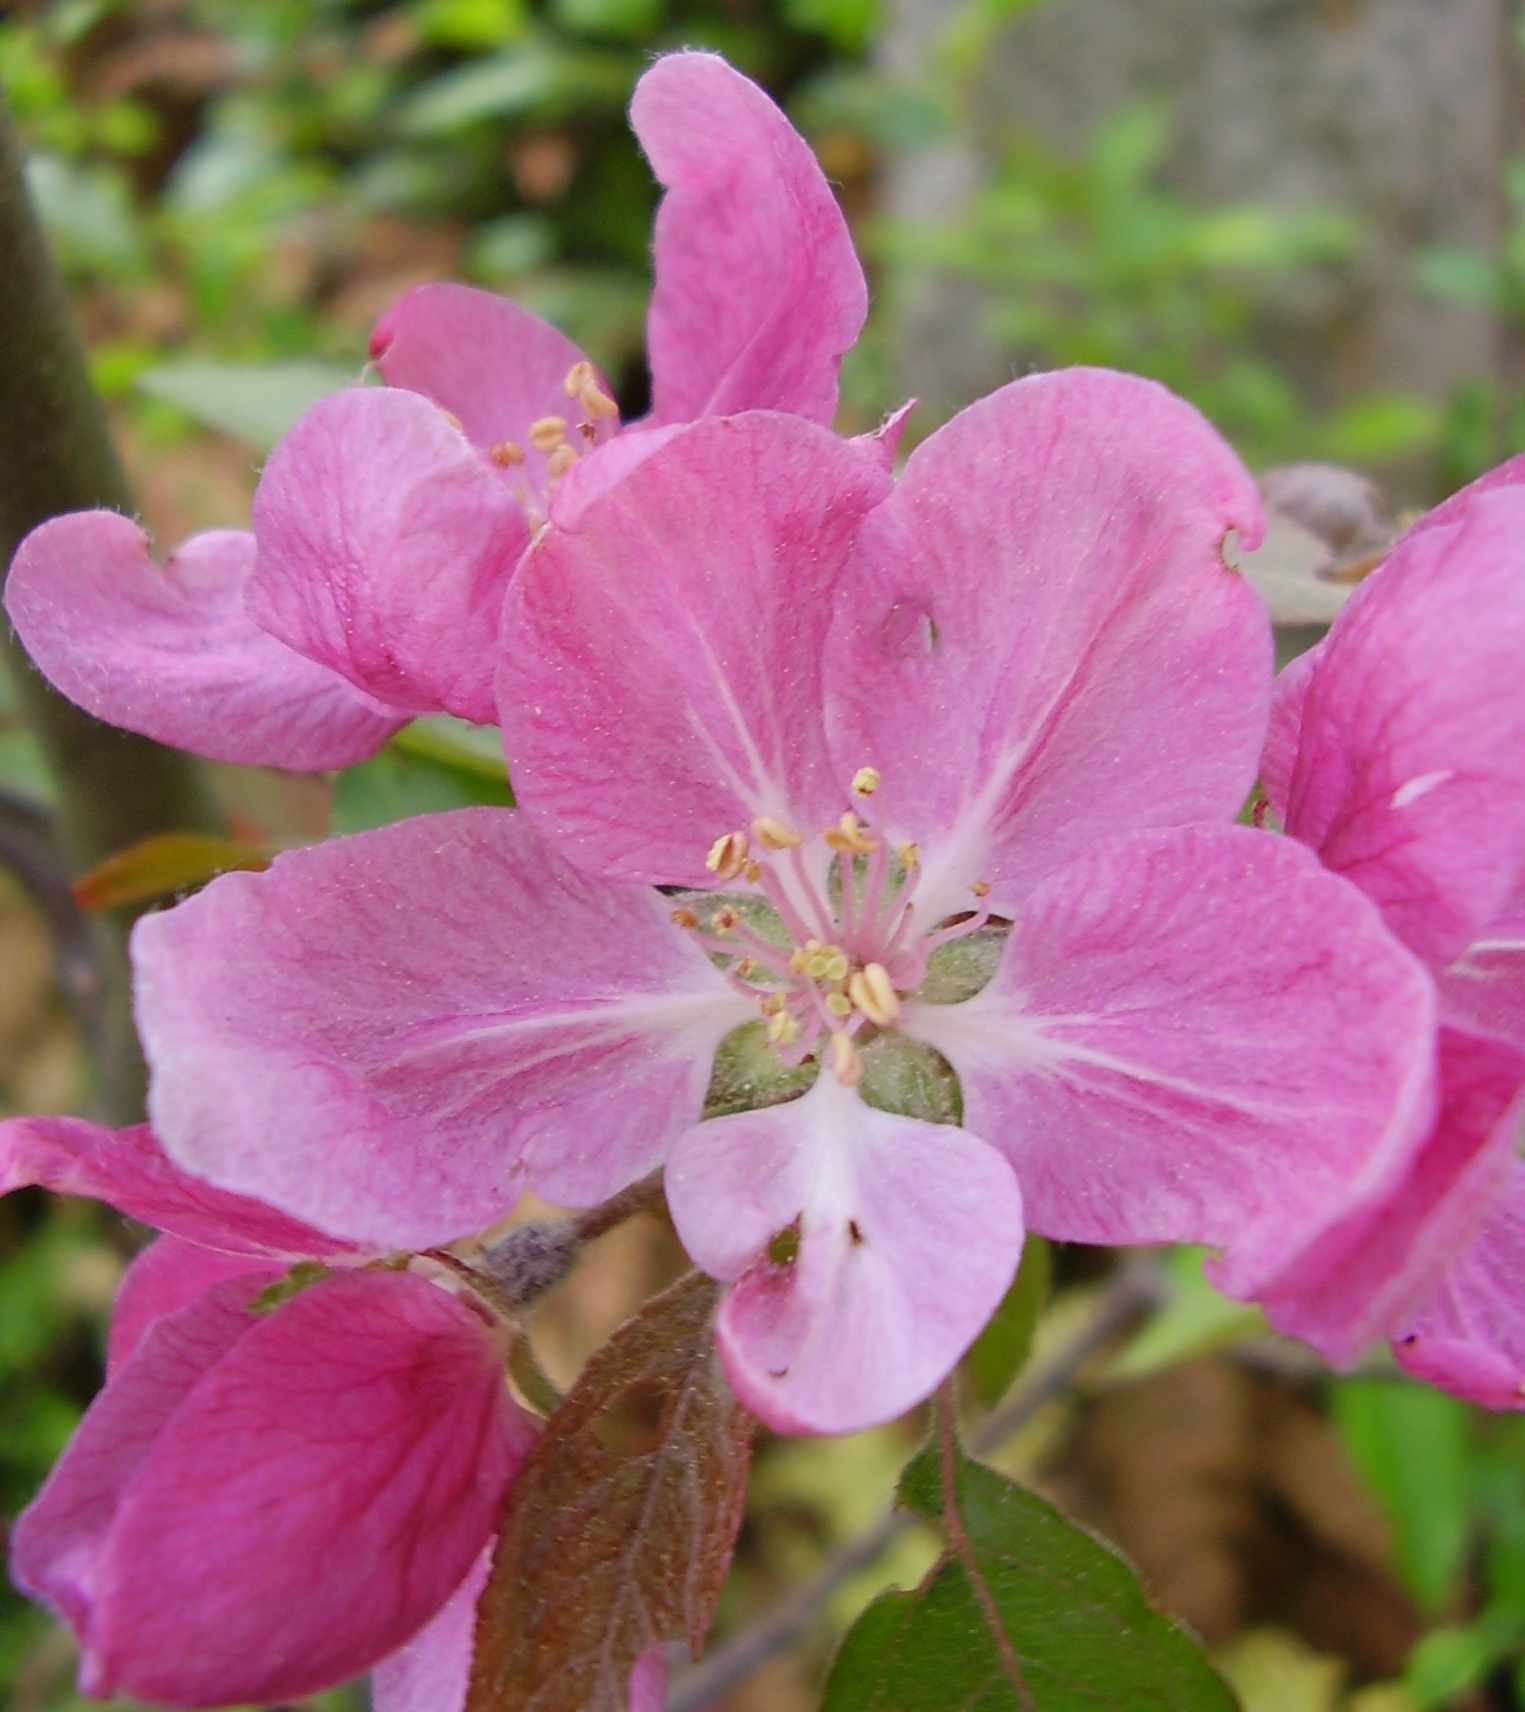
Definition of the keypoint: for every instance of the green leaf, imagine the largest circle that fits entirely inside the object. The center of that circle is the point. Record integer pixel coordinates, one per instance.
(1070, 1613)
(1000, 1351)
(1411, 1447)
(1195, 1321)
(534, 81)
(396, 784)
(168, 862)
(252, 402)
(632, 20)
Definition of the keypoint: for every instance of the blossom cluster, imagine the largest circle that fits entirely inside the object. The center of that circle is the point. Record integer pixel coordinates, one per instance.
(915, 795)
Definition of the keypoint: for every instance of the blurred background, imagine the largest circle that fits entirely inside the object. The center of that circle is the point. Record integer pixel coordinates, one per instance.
(1307, 216)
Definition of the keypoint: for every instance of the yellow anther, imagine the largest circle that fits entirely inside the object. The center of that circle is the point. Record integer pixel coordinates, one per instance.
(815, 964)
(684, 918)
(596, 404)
(784, 1029)
(746, 968)
(454, 420)
(578, 376)
(908, 854)
(727, 856)
(798, 960)
(839, 1004)
(836, 969)
(771, 1004)
(872, 991)
(753, 873)
(725, 920)
(981, 888)
(848, 838)
(546, 433)
(560, 461)
(846, 1060)
(865, 781)
(506, 454)
(775, 834)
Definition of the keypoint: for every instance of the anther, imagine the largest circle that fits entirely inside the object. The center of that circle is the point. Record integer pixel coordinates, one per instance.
(728, 856)
(908, 854)
(725, 920)
(560, 461)
(771, 1004)
(980, 888)
(684, 918)
(775, 834)
(836, 969)
(506, 454)
(588, 431)
(784, 1028)
(578, 376)
(872, 991)
(839, 1005)
(746, 968)
(846, 1060)
(596, 404)
(865, 781)
(752, 872)
(848, 838)
(546, 433)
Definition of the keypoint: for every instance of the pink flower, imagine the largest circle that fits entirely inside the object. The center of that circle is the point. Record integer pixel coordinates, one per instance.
(262, 1502)
(390, 519)
(1009, 688)
(1397, 752)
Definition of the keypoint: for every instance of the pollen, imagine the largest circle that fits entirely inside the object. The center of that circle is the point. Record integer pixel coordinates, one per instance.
(865, 781)
(728, 856)
(578, 376)
(848, 838)
(872, 991)
(980, 888)
(506, 454)
(684, 918)
(546, 433)
(775, 834)
(908, 855)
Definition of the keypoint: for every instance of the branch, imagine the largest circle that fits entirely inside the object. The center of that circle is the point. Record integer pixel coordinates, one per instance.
(1133, 1289)
(55, 456)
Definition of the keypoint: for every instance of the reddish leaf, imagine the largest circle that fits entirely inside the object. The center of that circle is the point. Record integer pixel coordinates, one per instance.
(619, 1528)
(155, 867)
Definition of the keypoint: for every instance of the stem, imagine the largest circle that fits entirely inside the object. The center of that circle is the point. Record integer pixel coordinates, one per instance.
(55, 456)
(945, 1407)
(1133, 1289)
(600, 1220)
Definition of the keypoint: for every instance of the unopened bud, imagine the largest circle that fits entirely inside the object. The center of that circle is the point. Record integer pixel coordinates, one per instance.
(530, 1259)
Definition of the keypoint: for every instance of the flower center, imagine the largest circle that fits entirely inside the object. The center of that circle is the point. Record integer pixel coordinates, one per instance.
(557, 442)
(827, 963)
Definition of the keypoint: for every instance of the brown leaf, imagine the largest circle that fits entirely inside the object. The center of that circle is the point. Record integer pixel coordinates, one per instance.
(155, 867)
(619, 1529)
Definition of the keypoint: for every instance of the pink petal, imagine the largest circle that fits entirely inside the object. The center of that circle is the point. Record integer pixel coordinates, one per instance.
(130, 1170)
(170, 651)
(884, 442)
(1410, 770)
(1469, 1336)
(396, 1033)
(493, 365)
(56, 1544)
(1196, 1035)
(909, 1234)
(167, 1276)
(432, 1672)
(385, 542)
(1364, 1275)
(648, 1682)
(660, 683)
(1043, 641)
(360, 1436)
(1483, 991)
(758, 292)
(1278, 760)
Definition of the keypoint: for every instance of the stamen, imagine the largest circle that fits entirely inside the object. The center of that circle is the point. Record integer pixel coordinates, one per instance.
(560, 461)
(980, 888)
(872, 991)
(846, 1060)
(578, 376)
(784, 1028)
(725, 919)
(727, 856)
(684, 918)
(865, 781)
(848, 838)
(546, 433)
(506, 454)
(839, 1005)
(908, 855)
(775, 834)
(596, 403)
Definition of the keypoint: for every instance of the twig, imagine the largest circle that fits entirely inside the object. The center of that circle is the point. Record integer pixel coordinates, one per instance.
(598, 1221)
(1133, 1289)
(55, 456)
